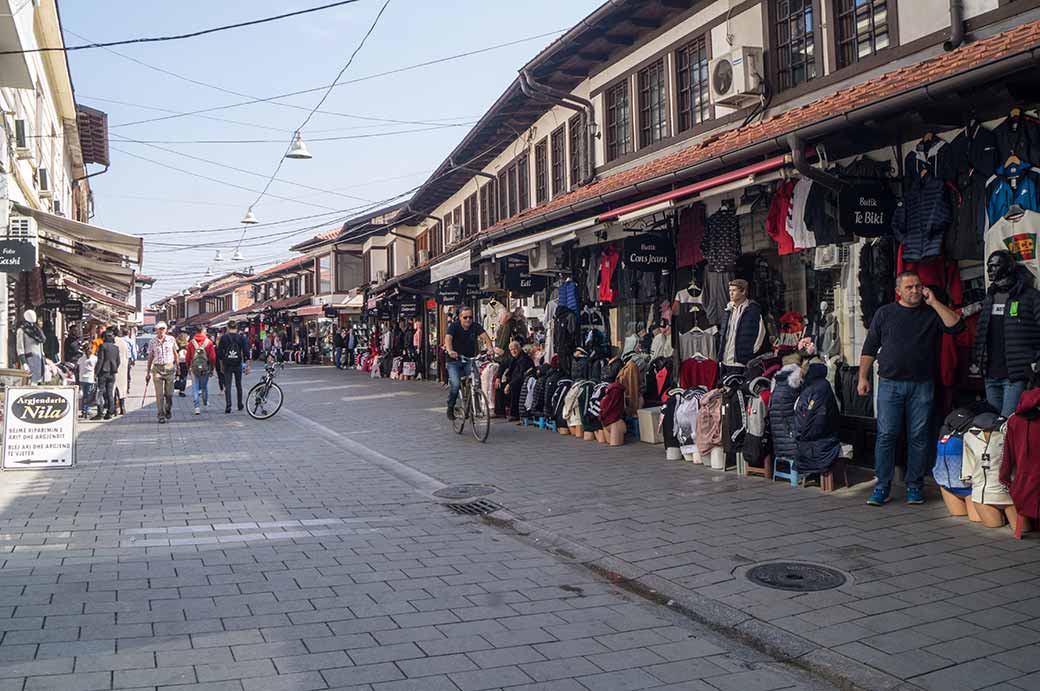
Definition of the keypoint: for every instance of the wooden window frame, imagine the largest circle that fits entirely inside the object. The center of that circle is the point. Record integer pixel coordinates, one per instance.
(558, 161)
(685, 117)
(778, 70)
(617, 117)
(523, 182)
(541, 172)
(836, 43)
(436, 239)
(503, 193)
(471, 215)
(574, 150)
(654, 103)
(485, 207)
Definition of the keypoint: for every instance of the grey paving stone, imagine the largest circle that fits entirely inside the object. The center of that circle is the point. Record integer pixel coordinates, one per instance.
(969, 675)
(166, 676)
(502, 657)
(234, 670)
(686, 670)
(447, 646)
(560, 669)
(312, 662)
(94, 681)
(57, 665)
(386, 653)
(498, 677)
(624, 680)
(362, 674)
(443, 664)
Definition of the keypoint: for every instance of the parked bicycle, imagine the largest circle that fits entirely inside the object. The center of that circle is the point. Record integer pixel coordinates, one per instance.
(471, 404)
(265, 398)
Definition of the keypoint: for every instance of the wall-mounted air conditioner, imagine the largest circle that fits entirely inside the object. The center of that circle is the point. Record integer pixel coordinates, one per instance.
(736, 76)
(543, 258)
(381, 276)
(424, 256)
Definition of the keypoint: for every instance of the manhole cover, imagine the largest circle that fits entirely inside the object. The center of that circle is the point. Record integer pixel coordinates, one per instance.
(468, 491)
(793, 575)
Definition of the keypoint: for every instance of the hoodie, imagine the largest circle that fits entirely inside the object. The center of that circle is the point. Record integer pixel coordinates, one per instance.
(1021, 468)
(201, 340)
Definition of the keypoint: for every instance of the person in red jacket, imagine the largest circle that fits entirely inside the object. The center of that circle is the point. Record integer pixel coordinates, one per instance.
(202, 360)
(1020, 471)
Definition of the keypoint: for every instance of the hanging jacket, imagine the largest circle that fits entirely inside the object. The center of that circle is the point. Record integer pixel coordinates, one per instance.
(971, 161)
(877, 266)
(686, 406)
(776, 219)
(1019, 136)
(709, 421)
(1018, 183)
(1021, 329)
(816, 422)
(612, 404)
(1020, 470)
(935, 158)
(568, 296)
(667, 424)
(983, 459)
(734, 417)
(782, 401)
(949, 457)
(628, 377)
(559, 400)
(608, 262)
(922, 218)
(565, 334)
(550, 383)
(756, 438)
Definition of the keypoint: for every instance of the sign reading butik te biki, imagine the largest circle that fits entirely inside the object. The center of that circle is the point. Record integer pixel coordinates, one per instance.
(39, 428)
(17, 255)
(649, 253)
(866, 210)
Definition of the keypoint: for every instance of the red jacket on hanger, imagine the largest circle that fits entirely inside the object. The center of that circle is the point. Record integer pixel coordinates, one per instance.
(776, 219)
(608, 261)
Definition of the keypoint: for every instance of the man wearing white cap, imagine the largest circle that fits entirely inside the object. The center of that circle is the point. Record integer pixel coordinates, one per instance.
(162, 365)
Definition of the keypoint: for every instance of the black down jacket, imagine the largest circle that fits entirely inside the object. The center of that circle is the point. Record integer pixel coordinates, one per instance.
(816, 422)
(786, 385)
(922, 219)
(538, 404)
(562, 387)
(1021, 329)
(551, 379)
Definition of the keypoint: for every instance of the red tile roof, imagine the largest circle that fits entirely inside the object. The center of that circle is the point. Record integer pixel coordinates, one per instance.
(290, 264)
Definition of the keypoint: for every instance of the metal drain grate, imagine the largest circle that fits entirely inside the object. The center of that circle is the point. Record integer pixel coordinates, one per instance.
(796, 576)
(479, 507)
(464, 491)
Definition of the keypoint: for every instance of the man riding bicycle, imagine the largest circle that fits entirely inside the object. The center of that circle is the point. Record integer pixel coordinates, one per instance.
(463, 338)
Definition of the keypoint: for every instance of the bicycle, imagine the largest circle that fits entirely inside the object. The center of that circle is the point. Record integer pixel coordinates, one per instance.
(266, 397)
(471, 404)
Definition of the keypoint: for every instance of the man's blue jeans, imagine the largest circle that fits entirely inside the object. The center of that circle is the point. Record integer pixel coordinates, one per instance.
(338, 357)
(1003, 394)
(86, 396)
(456, 371)
(899, 404)
(200, 385)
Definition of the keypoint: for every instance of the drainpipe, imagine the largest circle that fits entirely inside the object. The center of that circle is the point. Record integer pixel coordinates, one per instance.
(580, 105)
(956, 26)
(801, 164)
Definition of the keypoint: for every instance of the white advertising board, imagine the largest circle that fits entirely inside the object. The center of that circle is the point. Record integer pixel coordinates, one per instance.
(39, 427)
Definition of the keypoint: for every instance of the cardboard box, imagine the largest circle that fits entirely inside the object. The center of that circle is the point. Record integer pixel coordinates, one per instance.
(649, 420)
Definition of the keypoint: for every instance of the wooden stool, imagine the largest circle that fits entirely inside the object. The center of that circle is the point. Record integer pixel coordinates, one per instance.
(839, 467)
(765, 471)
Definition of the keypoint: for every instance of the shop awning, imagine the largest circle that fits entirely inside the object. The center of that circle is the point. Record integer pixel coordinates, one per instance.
(310, 311)
(119, 279)
(98, 296)
(95, 236)
(453, 266)
(557, 235)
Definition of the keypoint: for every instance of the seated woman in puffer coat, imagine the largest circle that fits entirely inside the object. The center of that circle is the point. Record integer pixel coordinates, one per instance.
(816, 420)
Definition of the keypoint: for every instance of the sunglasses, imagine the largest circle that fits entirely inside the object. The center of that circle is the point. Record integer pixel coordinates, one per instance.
(466, 318)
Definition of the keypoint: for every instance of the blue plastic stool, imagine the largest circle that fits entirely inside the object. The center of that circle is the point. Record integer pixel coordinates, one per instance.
(791, 475)
(550, 424)
(632, 426)
(525, 421)
(539, 422)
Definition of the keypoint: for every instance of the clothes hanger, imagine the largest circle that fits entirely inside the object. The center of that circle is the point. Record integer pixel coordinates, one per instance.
(1014, 212)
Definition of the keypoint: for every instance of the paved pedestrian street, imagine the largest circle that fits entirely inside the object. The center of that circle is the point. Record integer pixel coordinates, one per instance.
(224, 554)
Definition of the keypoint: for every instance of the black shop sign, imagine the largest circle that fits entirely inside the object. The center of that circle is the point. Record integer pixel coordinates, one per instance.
(519, 280)
(54, 297)
(17, 255)
(409, 307)
(451, 292)
(73, 310)
(866, 210)
(649, 253)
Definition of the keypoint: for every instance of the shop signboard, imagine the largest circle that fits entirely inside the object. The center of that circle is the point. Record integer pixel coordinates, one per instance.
(17, 255)
(54, 297)
(73, 310)
(450, 292)
(866, 210)
(519, 280)
(330, 312)
(409, 307)
(383, 311)
(39, 427)
(649, 253)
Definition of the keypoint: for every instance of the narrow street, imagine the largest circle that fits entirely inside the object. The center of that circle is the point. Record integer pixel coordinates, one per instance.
(217, 552)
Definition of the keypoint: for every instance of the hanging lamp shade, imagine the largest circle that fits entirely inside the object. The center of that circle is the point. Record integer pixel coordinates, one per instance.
(249, 219)
(237, 256)
(209, 271)
(218, 257)
(298, 150)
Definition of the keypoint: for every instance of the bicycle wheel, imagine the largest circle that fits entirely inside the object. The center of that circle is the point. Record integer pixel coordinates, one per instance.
(458, 423)
(261, 404)
(481, 416)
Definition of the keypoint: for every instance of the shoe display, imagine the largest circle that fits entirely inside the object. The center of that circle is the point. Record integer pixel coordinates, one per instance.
(914, 495)
(879, 497)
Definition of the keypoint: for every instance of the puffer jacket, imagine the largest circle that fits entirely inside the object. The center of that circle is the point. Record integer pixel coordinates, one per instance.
(1021, 329)
(559, 400)
(747, 333)
(983, 459)
(786, 385)
(610, 371)
(922, 219)
(629, 378)
(550, 381)
(816, 422)
(538, 398)
(949, 456)
(1021, 468)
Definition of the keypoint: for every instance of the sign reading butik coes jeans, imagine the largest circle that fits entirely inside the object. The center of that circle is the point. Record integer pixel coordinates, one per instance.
(40, 428)
(866, 210)
(649, 253)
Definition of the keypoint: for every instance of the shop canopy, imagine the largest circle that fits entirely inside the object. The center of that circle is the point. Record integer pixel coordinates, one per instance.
(91, 294)
(310, 311)
(117, 278)
(452, 266)
(128, 246)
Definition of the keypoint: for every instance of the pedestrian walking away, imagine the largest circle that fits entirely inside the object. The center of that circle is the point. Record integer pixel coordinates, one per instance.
(904, 338)
(202, 360)
(231, 352)
(105, 372)
(162, 365)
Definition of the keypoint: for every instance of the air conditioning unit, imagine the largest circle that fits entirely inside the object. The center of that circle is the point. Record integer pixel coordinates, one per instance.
(424, 256)
(409, 263)
(455, 233)
(543, 258)
(44, 178)
(736, 76)
(381, 276)
(21, 139)
(490, 276)
(22, 228)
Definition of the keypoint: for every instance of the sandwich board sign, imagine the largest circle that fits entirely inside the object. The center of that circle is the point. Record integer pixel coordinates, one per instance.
(39, 427)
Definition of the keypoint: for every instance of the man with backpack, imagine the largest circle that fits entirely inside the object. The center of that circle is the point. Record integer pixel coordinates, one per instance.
(231, 354)
(202, 360)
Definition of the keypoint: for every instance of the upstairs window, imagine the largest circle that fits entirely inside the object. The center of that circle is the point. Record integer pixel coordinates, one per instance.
(557, 146)
(523, 182)
(574, 130)
(503, 194)
(861, 29)
(511, 187)
(487, 206)
(653, 104)
(470, 214)
(541, 172)
(691, 78)
(619, 125)
(795, 42)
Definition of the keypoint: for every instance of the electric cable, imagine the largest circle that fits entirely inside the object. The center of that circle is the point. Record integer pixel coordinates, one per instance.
(370, 135)
(179, 37)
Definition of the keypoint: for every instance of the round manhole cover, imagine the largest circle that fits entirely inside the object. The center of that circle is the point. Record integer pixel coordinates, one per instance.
(467, 491)
(798, 576)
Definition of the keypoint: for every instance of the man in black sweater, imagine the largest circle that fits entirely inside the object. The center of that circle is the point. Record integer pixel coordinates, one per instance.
(105, 374)
(905, 337)
(231, 359)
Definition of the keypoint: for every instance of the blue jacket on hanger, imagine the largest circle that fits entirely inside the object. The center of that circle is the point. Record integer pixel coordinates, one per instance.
(1012, 184)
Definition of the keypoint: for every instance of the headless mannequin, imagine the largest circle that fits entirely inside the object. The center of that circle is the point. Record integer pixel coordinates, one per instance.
(29, 346)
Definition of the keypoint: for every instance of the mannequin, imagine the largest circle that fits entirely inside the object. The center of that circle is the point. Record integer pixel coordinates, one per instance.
(1008, 336)
(29, 346)
(983, 457)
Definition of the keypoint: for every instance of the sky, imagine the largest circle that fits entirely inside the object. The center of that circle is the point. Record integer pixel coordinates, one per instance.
(143, 194)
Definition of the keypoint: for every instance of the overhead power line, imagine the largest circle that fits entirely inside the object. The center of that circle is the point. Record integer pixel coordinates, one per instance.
(179, 37)
(377, 75)
(369, 135)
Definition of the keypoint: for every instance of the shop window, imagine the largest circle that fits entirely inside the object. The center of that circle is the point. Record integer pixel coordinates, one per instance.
(557, 146)
(795, 34)
(691, 78)
(541, 172)
(653, 104)
(861, 29)
(574, 129)
(619, 122)
(325, 274)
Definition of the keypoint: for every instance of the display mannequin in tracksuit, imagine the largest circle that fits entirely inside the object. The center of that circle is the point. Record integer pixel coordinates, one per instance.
(231, 360)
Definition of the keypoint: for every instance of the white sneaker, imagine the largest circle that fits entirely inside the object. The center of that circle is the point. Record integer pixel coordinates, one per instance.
(197, 411)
